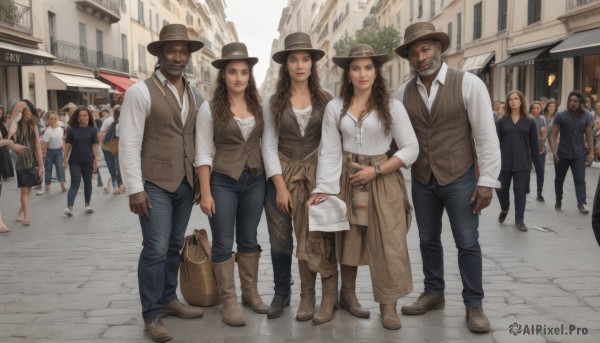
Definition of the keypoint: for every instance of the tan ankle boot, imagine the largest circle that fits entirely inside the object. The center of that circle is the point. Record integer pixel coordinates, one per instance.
(389, 316)
(231, 311)
(306, 309)
(248, 270)
(329, 302)
(348, 300)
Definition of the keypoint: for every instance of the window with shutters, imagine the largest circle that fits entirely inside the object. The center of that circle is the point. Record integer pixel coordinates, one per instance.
(458, 32)
(477, 21)
(140, 12)
(141, 58)
(420, 14)
(534, 11)
(432, 8)
(450, 31)
(502, 13)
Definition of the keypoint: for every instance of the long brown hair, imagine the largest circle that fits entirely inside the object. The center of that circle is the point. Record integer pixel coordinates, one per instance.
(379, 99)
(281, 98)
(522, 109)
(26, 128)
(221, 108)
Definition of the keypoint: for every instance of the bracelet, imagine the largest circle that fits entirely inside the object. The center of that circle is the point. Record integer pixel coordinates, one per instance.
(378, 171)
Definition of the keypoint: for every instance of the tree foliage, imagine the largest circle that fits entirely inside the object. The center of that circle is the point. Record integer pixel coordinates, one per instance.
(383, 40)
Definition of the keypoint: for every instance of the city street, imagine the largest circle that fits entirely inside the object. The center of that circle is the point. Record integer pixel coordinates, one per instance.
(74, 279)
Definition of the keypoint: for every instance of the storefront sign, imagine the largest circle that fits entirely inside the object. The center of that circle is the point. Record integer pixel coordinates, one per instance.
(10, 57)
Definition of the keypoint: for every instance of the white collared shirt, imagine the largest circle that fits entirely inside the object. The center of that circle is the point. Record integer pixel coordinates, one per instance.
(134, 111)
(479, 109)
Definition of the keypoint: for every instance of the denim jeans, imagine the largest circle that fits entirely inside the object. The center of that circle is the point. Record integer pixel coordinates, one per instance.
(281, 238)
(54, 157)
(163, 232)
(429, 201)
(238, 206)
(80, 170)
(112, 163)
(578, 171)
(540, 167)
(521, 178)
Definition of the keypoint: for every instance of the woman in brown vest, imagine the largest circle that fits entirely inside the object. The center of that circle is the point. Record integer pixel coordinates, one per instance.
(293, 117)
(232, 183)
(358, 128)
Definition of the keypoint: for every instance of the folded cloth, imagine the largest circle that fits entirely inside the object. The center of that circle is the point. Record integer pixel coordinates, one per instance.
(328, 216)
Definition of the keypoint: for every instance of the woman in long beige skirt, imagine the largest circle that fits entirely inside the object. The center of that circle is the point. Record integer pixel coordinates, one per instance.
(357, 169)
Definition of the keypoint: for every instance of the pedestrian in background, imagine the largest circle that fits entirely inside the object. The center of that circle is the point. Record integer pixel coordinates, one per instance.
(517, 133)
(449, 109)
(358, 128)
(232, 181)
(540, 162)
(52, 147)
(17, 148)
(6, 162)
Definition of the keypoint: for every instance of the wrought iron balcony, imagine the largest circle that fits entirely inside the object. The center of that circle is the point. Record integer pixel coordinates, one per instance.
(107, 10)
(575, 4)
(77, 54)
(16, 16)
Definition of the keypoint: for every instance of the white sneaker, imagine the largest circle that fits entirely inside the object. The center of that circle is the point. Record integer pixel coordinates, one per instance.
(39, 192)
(89, 209)
(68, 212)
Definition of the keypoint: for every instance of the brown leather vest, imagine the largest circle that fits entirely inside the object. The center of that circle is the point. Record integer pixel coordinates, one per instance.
(291, 142)
(168, 146)
(233, 153)
(445, 141)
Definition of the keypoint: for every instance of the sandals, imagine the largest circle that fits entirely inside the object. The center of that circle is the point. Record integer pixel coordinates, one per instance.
(25, 222)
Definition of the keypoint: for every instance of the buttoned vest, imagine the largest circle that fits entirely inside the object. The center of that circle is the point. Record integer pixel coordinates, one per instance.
(168, 145)
(232, 152)
(444, 134)
(291, 142)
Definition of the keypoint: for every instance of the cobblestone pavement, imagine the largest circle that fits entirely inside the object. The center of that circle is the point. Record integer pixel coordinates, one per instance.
(74, 279)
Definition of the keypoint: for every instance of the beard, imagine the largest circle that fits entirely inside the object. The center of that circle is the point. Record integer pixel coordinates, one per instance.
(435, 66)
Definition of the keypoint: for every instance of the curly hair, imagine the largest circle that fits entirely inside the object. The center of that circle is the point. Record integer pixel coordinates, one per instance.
(221, 111)
(522, 109)
(281, 98)
(378, 101)
(74, 120)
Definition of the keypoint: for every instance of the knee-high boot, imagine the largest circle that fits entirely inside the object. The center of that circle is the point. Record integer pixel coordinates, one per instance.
(248, 270)
(348, 300)
(224, 274)
(389, 316)
(306, 309)
(329, 302)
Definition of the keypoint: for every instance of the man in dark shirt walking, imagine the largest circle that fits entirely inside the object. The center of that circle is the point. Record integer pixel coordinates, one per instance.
(572, 124)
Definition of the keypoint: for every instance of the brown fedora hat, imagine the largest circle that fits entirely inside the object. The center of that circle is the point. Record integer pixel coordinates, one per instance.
(421, 31)
(234, 52)
(360, 51)
(297, 41)
(174, 33)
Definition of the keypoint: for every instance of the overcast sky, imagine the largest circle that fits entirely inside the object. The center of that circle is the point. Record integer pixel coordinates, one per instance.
(256, 24)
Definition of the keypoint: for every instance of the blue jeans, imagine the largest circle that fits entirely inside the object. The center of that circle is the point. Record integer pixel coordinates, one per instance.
(112, 163)
(80, 170)
(54, 157)
(163, 232)
(540, 167)
(238, 206)
(281, 238)
(521, 178)
(578, 170)
(429, 201)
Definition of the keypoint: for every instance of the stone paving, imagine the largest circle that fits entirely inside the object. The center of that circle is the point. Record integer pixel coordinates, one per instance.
(74, 279)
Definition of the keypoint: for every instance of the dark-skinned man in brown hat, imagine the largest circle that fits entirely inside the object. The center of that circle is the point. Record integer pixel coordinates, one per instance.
(156, 152)
(449, 109)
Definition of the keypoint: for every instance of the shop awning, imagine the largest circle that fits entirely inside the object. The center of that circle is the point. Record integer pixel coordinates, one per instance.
(60, 81)
(121, 83)
(579, 44)
(522, 59)
(12, 54)
(475, 64)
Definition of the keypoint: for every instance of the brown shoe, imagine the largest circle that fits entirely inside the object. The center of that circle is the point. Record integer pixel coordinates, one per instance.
(225, 281)
(521, 226)
(389, 316)
(477, 320)
(181, 310)
(582, 209)
(157, 330)
(248, 271)
(424, 303)
(329, 301)
(306, 309)
(348, 300)
(502, 216)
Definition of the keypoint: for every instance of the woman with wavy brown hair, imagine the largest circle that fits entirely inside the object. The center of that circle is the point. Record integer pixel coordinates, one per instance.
(358, 129)
(293, 118)
(232, 181)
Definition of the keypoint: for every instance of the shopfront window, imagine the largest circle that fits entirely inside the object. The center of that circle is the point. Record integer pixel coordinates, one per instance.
(590, 75)
(548, 78)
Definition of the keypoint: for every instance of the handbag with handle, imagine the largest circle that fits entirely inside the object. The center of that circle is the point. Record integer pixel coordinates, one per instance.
(196, 276)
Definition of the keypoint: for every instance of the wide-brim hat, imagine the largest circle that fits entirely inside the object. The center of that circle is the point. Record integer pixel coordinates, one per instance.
(174, 33)
(421, 31)
(360, 51)
(297, 41)
(234, 52)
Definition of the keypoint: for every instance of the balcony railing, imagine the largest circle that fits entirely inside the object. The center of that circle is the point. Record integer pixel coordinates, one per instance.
(16, 16)
(77, 54)
(574, 4)
(108, 10)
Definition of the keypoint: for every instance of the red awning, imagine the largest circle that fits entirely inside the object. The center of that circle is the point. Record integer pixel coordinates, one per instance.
(121, 83)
